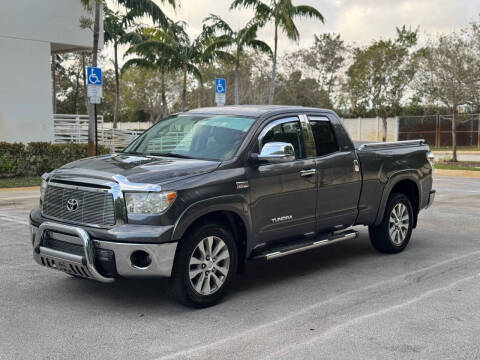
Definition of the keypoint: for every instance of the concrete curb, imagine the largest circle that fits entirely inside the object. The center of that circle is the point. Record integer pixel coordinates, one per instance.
(458, 173)
(30, 188)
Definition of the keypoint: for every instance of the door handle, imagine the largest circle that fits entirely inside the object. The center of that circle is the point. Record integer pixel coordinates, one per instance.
(308, 172)
(356, 166)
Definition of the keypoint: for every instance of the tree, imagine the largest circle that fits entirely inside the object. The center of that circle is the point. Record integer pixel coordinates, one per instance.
(282, 13)
(240, 41)
(447, 69)
(141, 8)
(187, 55)
(380, 73)
(157, 51)
(116, 25)
(324, 60)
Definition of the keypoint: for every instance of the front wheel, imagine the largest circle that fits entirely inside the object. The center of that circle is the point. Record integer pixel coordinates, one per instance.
(395, 230)
(204, 266)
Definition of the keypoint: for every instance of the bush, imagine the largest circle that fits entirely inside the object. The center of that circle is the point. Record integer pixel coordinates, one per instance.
(36, 158)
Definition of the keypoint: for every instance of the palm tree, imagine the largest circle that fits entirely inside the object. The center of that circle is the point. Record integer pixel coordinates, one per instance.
(188, 56)
(116, 32)
(141, 8)
(239, 40)
(282, 13)
(167, 49)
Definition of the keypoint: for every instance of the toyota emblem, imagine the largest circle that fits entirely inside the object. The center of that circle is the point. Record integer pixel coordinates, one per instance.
(72, 204)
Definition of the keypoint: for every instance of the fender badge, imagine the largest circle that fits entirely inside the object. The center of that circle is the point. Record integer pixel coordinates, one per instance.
(242, 185)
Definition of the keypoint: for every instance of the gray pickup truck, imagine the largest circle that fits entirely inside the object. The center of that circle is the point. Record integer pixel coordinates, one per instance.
(202, 192)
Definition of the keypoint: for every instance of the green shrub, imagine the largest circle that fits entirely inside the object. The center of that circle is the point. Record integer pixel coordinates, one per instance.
(36, 158)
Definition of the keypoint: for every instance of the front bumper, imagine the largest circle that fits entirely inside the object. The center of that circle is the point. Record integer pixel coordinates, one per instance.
(83, 256)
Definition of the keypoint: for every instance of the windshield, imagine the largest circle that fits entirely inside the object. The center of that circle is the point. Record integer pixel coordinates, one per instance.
(209, 137)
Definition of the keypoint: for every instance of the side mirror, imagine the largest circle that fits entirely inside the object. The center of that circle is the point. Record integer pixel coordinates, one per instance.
(277, 152)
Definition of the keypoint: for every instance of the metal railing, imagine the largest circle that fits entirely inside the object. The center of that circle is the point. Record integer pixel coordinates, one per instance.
(117, 140)
(74, 129)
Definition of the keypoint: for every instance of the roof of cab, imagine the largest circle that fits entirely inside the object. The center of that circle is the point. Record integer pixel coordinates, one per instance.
(254, 110)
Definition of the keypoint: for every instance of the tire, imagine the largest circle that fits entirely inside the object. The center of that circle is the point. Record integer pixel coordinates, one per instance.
(393, 234)
(201, 278)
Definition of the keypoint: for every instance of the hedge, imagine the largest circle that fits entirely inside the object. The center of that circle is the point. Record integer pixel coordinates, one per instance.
(36, 158)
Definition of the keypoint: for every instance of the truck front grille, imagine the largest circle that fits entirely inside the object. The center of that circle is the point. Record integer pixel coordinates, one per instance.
(79, 206)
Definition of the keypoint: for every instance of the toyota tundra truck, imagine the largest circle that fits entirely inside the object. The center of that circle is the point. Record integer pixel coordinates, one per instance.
(202, 192)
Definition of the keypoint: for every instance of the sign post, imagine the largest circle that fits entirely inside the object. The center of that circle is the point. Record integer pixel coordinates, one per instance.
(95, 94)
(220, 91)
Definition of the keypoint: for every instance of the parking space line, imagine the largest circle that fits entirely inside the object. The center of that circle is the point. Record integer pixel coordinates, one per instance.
(346, 324)
(402, 277)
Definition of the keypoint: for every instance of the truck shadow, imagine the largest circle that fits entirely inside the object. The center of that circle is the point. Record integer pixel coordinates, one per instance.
(153, 294)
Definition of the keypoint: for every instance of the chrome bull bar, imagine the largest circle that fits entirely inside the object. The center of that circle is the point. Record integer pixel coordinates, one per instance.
(73, 264)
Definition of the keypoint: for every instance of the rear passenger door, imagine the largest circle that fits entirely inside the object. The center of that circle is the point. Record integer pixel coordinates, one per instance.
(339, 178)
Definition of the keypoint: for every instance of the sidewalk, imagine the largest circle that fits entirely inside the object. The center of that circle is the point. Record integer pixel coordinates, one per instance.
(457, 173)
(19, 197)
(462, 155)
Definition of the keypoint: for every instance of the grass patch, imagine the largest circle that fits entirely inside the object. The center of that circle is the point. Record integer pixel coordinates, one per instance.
(20, 182)
(459, 165)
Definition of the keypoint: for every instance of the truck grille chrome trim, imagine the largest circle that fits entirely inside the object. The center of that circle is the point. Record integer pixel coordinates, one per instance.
(66, 262)
(79, 205)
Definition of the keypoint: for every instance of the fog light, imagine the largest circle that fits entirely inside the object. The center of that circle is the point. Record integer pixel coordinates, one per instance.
(140, 259)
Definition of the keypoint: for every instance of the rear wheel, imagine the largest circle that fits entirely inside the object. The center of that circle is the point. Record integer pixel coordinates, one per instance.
(395, 230)
(204, 266)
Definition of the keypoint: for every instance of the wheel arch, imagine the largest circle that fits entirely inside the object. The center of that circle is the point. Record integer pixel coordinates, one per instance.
(232, 211)
(406, 183)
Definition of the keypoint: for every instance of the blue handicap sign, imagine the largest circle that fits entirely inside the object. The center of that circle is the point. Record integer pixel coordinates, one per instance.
(220, 86)
(94, 76)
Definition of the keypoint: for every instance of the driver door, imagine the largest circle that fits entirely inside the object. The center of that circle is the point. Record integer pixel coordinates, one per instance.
(283, 195)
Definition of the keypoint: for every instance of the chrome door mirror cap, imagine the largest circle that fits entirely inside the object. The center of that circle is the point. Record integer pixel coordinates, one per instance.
(277, 152)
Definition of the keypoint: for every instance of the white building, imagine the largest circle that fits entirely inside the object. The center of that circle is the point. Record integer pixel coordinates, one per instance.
(30, 31)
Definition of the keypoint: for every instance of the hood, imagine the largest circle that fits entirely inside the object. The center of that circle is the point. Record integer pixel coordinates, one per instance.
(137, 169)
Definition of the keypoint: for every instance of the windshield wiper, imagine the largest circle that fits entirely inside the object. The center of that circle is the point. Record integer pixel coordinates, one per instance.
(132, 153)
(171, 155)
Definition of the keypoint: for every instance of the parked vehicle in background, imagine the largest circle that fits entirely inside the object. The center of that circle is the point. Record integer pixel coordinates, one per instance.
(241, 183)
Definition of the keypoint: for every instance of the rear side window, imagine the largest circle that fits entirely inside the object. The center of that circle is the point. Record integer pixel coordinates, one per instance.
(325, 140)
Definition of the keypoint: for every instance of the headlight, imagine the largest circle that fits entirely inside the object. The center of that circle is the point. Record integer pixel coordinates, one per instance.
(43, 188)
(149, 203)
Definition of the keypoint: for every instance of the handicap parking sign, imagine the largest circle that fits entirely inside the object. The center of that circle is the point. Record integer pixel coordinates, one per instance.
(220, 86)
(94, 76)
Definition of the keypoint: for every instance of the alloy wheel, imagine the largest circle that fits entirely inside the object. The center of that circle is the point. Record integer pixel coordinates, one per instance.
(209, 265)
(398, 224)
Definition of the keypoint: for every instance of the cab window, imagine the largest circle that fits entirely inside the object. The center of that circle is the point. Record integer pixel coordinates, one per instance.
(324, 136)
(287, 132)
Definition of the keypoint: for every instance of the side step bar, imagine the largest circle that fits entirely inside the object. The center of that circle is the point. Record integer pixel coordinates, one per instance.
(273, 254)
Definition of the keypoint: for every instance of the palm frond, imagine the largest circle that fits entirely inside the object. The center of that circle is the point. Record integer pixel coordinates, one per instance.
(308, 11)
(154, 46)
(217, 23)
(288, 26)
(147, 8)
(261, 46)
(137, 63)
(192, 69)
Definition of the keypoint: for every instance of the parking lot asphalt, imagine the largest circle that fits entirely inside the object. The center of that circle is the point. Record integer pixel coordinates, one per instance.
(345, 301)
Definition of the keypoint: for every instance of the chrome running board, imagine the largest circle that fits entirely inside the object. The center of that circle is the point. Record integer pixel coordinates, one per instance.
(296, 248)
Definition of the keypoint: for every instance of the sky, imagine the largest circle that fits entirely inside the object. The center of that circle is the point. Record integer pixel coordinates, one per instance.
(357, 21)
